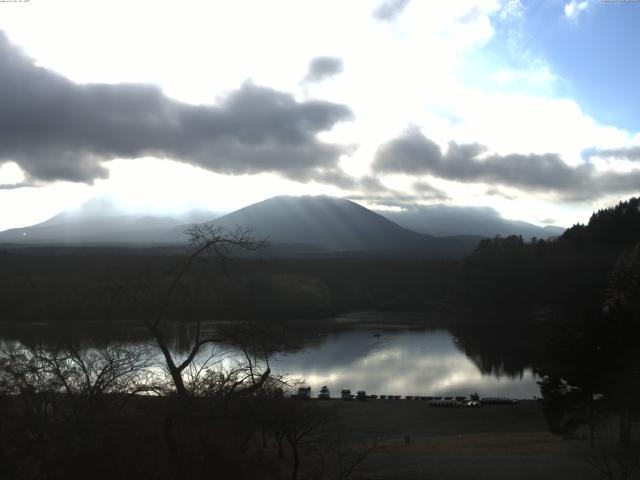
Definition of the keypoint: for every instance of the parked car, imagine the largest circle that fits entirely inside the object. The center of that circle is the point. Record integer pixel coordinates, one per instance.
(304, 393)
(361, 395)
(444, 403)
(345, 394)
(324, 394)
(498, 401)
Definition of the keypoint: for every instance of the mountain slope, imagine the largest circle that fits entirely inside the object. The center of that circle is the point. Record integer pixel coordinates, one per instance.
(334, 224)
(482, 221)
(99, 221)
(292, 225)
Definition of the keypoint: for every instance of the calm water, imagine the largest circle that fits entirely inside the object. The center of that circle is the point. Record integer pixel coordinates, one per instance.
(381, 360)
(399, 362)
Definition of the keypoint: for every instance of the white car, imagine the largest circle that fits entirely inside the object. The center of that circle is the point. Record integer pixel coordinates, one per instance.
(324, 393)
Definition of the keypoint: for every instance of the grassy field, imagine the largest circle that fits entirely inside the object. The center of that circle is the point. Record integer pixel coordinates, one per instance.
(492, 442)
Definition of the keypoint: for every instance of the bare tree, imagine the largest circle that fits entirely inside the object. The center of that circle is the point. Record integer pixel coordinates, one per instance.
(56, 395)
(613, 461)
(206, 242)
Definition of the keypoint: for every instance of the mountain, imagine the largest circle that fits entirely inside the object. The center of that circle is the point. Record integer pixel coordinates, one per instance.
(442, 220)
(297, 225)
(100, 221)
(336, 224)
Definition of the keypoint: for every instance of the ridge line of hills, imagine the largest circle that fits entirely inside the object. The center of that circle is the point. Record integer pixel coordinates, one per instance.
(303, 224)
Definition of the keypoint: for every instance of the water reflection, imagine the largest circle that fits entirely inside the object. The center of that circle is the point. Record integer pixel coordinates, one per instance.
(400, 362)
(397, 361)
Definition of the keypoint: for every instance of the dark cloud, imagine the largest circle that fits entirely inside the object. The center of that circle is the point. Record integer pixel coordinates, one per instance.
(427, 191)
(630, 153)
(374, 191)
(369, 183)
(55, 129)
(13, 186)
(337, 177)
(321, 68)
(398, 200)
(390, 9)
(415, 154)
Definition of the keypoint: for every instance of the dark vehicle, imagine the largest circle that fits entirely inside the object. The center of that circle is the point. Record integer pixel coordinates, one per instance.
(345, 394)
(444, 403)
(361, 396)
(498, 401)
(324, 393)
(304, 393)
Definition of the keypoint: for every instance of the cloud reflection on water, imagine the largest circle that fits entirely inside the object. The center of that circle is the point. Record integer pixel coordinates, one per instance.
(400, 362)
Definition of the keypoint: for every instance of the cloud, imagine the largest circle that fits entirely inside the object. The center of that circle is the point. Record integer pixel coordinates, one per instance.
(373, 191)
(496, 192)
(426, 191)
(574, 8)
(13, 186)
(55, 129)
(321, 68)
(511, 10)
(389, 10)
(414, 154)
(628, 153)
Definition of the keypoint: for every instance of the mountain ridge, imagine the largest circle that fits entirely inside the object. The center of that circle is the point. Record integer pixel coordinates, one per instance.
(335, 224)
(299, 224)
(445, 220)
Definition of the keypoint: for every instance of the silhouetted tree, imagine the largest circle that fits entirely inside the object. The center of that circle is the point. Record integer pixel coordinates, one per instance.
(595, 369)
(620, 331)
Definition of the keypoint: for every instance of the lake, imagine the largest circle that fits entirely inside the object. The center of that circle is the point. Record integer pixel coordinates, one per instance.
(364, 352)
(399, 361)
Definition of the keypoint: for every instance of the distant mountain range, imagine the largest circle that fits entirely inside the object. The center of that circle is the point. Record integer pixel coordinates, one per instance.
(292, 225)
(443, 220)
(99, 222)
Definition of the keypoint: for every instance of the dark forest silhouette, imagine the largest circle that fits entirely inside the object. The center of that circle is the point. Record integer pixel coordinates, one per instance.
(569, 306)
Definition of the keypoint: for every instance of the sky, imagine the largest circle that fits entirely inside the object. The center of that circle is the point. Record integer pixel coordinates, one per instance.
(528, 107)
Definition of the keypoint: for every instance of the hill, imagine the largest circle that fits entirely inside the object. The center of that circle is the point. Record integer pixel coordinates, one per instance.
(100, 222)
(294, 225)
(443, 220)
(569, 272)
(337, 225)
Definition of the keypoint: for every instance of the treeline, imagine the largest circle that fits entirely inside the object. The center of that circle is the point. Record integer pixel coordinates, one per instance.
(91, 286)
(568, 274)
(590, 279)
(591, 381)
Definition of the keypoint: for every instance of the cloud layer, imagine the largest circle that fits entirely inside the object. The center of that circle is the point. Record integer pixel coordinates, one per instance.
(627, 153)
(390, 9)
(321, 68)
(55, 129)
(414, 154)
